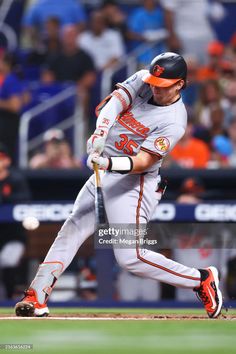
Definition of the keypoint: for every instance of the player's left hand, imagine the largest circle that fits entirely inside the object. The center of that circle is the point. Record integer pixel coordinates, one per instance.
(96, 142)
(102, 162)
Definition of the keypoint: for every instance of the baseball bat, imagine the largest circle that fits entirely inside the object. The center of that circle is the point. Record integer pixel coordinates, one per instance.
(100, 213)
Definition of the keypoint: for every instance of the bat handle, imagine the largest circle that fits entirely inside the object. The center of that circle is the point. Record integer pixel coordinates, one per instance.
(99, 204)
(97, 175)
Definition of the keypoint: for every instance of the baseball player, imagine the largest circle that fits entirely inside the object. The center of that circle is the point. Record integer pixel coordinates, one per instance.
(137, 126)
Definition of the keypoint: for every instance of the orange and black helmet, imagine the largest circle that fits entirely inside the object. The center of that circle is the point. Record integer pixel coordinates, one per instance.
(166, 69)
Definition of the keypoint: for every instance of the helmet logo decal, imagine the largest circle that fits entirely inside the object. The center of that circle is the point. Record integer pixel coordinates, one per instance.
(158, 70)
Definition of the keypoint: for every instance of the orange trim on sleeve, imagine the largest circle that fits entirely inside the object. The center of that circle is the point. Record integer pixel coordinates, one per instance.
(151, 152)
(100, 106)
(126, 91)
(119, 96)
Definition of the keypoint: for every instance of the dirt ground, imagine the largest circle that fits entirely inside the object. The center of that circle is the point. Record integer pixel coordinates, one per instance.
(123, 316)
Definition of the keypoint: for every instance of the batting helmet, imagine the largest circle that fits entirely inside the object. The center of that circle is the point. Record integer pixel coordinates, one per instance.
(166, 69)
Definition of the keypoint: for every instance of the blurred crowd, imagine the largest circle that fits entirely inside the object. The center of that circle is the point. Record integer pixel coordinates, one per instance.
(74, 43)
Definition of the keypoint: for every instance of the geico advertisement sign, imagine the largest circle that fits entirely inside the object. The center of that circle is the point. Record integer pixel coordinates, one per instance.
(42, 212)
(215, 212)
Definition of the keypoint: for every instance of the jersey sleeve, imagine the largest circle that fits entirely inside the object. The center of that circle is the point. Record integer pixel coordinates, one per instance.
(133, 85)
(163, 140)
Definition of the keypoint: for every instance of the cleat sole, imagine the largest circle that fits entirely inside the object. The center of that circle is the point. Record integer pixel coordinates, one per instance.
(24, 309)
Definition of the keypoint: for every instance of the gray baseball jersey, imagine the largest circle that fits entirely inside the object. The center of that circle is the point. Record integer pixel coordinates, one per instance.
(146, 126)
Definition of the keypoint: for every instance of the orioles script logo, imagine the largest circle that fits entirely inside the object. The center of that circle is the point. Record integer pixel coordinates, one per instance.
(129, 122)
(162, 144)
(158, 70)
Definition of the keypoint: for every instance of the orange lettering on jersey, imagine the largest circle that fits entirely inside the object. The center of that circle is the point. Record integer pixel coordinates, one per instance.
(106, 121)
(162, 144)
(128, 121)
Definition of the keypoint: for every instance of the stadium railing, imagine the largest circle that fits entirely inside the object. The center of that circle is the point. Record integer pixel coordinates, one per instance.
(5, 29)
(27, 145)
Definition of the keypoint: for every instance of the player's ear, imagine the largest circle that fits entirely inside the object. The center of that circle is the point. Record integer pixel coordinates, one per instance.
(180, 84)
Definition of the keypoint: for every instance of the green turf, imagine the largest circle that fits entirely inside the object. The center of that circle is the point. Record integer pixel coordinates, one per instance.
(103, 337)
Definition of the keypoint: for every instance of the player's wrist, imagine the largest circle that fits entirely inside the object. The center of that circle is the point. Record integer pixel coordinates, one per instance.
(120, 164)
(96, 142)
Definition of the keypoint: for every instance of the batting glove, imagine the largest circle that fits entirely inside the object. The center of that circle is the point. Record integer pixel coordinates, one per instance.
(96, 143)
(102, 162)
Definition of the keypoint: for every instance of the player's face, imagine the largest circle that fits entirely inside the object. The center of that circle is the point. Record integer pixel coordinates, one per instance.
(166, 95)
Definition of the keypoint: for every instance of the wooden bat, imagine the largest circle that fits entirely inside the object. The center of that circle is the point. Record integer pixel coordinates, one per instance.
(99, 203)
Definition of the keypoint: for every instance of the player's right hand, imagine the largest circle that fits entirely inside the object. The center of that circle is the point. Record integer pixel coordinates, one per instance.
(102, 162)
(96, 142)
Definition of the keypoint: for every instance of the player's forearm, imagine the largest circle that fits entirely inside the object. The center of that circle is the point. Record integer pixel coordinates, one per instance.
(141, 163)
(118, 103)
(109, 113)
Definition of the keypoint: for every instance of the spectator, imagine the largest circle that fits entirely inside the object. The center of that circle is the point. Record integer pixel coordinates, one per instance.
(51, 44)
(191, 93)
(212, 107)
(213, 66)
(191, 191)
(74, 65)
(114, 17)
(192, 25)
(147, 25)
(48, 45)
(57, 153)
(11, 103)
(232, 136)
(221, 150)
(230, 95)
(190, 152)
(104, 45)
(36, 16)
(13, 189)
(217, 122)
